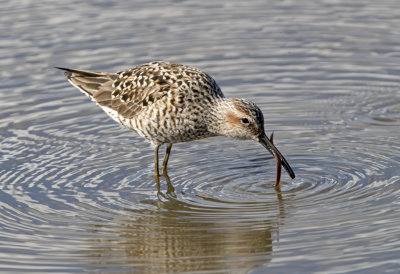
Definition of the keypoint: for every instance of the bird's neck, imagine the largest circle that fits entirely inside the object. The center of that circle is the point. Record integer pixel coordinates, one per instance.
(216, 119)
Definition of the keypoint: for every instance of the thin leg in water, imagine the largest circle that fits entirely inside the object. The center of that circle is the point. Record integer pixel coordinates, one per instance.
(171, 189)
(166, 157)
(156, 173)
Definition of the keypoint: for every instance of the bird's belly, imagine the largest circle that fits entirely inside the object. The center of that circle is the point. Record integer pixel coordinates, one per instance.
(169, 129)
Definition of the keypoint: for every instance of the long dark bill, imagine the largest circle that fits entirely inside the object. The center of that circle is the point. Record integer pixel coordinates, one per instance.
(263, 139)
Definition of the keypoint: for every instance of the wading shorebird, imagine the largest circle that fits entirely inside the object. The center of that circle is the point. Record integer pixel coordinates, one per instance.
(170, 103)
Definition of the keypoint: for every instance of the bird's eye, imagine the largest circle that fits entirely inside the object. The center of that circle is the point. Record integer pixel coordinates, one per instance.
(245, 121)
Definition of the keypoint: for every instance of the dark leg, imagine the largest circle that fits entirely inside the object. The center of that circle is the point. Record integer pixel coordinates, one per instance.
(156, 174)
(170, 188)
(166, 157)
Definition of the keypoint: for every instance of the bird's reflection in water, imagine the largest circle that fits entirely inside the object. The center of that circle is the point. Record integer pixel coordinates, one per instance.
(170, 235)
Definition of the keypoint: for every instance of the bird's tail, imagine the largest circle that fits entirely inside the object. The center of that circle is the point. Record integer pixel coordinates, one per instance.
(90, 82)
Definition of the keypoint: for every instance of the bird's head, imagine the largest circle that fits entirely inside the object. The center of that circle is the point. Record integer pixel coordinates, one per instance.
(244, 120)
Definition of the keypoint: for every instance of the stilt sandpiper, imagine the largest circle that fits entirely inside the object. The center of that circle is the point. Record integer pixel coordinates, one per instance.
(170, 103)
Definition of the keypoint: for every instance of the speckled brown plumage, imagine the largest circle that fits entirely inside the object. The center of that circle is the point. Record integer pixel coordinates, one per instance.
(169, 103)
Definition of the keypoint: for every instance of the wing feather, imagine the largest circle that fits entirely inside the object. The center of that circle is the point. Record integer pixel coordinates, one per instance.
(128, 92)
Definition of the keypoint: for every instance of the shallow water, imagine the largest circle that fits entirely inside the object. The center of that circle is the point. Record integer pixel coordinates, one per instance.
(76, 190)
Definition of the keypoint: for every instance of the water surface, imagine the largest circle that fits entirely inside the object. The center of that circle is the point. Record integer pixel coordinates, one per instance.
(76, 190)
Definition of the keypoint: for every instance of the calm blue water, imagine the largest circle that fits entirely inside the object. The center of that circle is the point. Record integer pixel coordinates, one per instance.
(76, 189)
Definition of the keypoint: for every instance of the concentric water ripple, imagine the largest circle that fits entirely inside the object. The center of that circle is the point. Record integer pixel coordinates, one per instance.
(224, 203)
